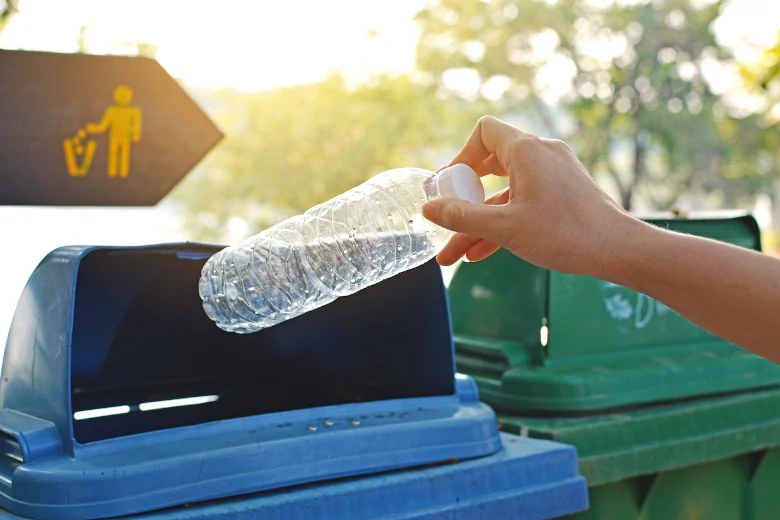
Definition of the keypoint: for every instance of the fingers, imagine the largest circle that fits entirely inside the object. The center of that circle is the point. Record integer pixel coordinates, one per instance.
(480, 228)
(490, 136)
(462, 242)
(456, 248)
(476, 249)
(490, 166)
(479, 220)
(481, 250)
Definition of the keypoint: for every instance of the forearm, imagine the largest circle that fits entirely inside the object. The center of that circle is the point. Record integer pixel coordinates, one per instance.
(730, 291)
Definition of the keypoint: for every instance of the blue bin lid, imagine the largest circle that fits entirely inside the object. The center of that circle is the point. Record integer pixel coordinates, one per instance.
(530, 479)
(118, 394)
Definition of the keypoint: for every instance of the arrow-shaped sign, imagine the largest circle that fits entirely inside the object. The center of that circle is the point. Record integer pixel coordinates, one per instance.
(82, 130)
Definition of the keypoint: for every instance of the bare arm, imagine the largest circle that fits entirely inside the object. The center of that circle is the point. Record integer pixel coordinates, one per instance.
(554, 215)
(732, 292)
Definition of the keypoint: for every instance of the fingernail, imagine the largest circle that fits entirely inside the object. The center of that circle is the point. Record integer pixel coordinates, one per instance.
(430, 210)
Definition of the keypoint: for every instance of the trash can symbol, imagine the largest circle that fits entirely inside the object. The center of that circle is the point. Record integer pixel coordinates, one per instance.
(78, 155)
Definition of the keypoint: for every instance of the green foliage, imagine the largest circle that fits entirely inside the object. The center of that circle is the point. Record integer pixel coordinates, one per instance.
(289, 149)
(768, 69)
(763, 79)
(632, 80)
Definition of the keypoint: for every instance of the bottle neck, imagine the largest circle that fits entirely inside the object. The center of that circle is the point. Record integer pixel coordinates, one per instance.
(431, 187)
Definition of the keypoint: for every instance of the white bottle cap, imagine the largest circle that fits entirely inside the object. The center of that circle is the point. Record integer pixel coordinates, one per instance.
(459, 181)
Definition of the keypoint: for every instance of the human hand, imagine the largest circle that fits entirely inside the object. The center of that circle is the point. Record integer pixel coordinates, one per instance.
(553, 214)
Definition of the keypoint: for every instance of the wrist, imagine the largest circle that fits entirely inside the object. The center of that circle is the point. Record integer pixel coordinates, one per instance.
(630, 244)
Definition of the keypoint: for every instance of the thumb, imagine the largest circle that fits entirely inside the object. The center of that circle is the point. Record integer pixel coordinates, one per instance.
(479, 220)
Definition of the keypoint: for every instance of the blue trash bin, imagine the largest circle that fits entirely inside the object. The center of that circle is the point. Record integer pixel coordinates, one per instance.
(120, 397)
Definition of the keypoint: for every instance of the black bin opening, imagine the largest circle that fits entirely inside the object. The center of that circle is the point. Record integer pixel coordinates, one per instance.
(145, 356)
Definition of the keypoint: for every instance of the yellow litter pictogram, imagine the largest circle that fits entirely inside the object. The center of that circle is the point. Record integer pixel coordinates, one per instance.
(122, 122)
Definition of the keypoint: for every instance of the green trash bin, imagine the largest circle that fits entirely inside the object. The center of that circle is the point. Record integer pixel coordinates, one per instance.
(669, 421)
(709, 458)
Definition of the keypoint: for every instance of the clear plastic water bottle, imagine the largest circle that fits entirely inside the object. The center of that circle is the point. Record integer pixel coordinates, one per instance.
(354, 240)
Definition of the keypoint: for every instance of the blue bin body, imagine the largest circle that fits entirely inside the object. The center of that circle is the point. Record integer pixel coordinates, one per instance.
(119, 397)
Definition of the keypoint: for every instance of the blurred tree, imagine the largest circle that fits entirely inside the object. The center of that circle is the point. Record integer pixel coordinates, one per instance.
(767, 69)
(763, 77)
(289, 149)
(627, 79)
(8, 9)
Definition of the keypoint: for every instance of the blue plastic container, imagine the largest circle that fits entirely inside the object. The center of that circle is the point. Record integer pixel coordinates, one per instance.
(119, 396)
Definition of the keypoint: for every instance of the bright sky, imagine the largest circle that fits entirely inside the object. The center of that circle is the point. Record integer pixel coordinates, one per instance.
(248, 45)
(243, 44)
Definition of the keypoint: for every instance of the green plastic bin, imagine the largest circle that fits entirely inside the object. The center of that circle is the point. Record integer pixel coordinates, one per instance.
(702, 459)
(669, 421)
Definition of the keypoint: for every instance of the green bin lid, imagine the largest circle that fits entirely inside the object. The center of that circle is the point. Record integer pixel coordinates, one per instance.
(537, 340)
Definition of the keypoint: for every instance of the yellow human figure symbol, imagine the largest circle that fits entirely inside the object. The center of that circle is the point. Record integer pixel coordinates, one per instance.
(123, 124)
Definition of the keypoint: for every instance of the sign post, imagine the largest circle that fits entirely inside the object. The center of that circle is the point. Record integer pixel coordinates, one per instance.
(83, 130)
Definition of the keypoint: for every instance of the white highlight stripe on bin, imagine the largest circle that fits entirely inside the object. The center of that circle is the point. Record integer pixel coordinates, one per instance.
(173, 403)
(144, 407)
(101, 412)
